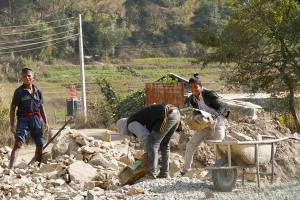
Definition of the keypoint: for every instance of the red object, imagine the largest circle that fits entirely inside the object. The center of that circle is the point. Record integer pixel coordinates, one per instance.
(72, 91)
(33, 113)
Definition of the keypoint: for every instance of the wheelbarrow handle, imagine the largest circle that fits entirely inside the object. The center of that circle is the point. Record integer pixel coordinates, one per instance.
(251, 142)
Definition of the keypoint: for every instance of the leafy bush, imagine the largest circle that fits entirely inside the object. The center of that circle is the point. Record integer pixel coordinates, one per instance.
(168, 79)
(105, 111)
(111, 97)
(130, 104)
(120, 107)
(99, 114)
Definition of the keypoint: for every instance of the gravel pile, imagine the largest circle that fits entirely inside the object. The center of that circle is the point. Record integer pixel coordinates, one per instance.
(189, 188)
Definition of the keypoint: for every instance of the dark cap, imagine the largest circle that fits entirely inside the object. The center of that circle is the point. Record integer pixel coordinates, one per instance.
(26, 71)
(195, 79)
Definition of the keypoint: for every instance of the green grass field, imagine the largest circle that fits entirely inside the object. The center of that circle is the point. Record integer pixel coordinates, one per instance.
(125, 78)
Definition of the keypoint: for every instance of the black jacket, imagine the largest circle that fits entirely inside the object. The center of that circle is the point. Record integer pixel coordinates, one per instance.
(151, 116)
(211, 99)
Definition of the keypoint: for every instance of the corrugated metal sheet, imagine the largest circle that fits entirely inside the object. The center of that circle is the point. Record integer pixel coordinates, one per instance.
(172, 93)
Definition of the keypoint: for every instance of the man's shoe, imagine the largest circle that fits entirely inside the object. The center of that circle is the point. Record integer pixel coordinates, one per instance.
(164, 175)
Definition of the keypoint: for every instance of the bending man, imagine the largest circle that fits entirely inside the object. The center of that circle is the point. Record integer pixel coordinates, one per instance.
(154, 126)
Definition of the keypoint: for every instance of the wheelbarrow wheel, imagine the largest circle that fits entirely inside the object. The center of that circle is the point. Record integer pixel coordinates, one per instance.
(224, 179)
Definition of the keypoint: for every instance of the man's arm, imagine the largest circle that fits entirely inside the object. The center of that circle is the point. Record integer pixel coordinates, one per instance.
(12, 114)
(44, 117)
(213, 100)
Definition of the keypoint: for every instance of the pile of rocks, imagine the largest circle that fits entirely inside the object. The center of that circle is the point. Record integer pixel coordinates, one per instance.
(82, 167)
(77, 167)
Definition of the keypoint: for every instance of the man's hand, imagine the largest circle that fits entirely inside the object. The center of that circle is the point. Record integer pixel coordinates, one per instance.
(13, 129)
(47, 127)
(211, 119)
(180, 126)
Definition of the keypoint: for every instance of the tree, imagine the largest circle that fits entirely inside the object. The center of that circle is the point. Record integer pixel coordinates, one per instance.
(36, 29)
(208, 22)
(104, 34)
(262, 39)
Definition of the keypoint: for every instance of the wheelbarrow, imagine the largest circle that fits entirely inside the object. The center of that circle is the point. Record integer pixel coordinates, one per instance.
(241, 154)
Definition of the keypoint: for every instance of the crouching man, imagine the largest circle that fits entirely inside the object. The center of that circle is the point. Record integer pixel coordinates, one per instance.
(154, 126)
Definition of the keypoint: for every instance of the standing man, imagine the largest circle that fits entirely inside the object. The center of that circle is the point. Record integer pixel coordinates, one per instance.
(29, 100)
(154, 126)
(206, 100)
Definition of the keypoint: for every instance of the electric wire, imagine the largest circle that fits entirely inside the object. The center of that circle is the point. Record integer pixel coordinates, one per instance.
(24, 45)
(36, 23)
(1, 53)
(36, 41)
(39, 30)
(45, 36)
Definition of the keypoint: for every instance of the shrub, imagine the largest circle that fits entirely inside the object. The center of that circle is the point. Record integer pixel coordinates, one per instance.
(130, 104)
(117, 107)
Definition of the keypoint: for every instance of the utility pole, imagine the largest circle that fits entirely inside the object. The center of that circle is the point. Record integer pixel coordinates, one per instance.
(83, 92)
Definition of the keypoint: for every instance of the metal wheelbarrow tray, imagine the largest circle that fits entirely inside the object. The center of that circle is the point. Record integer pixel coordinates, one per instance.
(241, 154)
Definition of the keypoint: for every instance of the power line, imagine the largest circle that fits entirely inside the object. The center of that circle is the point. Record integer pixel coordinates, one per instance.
(18, 33)
(36, 23)
(1, 53)
(24, 45)
(45, 36)
(36, 41)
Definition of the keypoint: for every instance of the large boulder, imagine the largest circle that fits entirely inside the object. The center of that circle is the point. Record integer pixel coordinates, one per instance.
(241, 109)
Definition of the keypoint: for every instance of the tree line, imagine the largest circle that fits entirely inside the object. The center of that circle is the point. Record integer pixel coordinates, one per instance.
(121, 28)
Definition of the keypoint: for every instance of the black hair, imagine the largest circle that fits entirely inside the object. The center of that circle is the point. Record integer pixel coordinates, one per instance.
(26, 70)
(195, 79)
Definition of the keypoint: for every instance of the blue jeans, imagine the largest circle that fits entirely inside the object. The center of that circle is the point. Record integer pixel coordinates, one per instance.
(32, 124)
(161, 140)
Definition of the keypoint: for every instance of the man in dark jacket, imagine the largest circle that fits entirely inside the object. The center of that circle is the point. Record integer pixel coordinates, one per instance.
(208, 101)
(154, 126)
